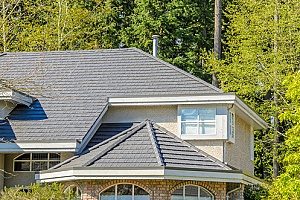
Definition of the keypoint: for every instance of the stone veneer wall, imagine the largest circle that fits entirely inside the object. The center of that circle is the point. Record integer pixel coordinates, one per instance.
(158, 189)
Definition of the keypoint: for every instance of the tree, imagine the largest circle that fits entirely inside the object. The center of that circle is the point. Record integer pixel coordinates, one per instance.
(262, 48)
(287, 186)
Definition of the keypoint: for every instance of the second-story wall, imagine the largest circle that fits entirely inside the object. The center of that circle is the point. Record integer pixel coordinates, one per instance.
(239, 153)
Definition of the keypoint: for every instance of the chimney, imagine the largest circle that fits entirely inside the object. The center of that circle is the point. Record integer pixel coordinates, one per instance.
(155, 45)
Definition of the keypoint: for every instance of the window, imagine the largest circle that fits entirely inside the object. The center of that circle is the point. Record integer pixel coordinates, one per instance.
(190, 192)
(35, 161)
(200, 121)
(231, 126)
(73, 192)
(124, 192)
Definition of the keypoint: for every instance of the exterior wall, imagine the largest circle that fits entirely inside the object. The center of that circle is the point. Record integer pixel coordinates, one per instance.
(165, 116)
(5, 108)
(22, 178)
(158, 189)
(239, 153)
(1, 171)
(212, 147)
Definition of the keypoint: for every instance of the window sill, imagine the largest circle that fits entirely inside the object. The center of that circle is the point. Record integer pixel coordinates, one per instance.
(201, 137)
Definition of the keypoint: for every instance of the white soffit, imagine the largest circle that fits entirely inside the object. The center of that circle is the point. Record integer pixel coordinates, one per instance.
(38, 146)
(160, 174)
(15, 97)
(190, 100)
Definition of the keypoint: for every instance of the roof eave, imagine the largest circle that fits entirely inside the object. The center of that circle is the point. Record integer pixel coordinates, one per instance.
(16, 97)
(88, 173)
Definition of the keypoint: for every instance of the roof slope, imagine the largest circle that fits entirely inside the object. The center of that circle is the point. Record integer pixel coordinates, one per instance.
(144, 145)
(72, 88)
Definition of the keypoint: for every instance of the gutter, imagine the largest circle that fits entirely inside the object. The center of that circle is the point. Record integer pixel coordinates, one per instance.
(232, 191)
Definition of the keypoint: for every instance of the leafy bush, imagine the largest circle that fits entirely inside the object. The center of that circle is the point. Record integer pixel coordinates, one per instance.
(255, 192)
(53, 191)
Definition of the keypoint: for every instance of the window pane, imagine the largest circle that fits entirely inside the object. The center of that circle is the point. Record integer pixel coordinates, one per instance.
(191, 193)
(189, 128)
(24, 157)
(22, 166)
(124, 192)
(207, 114)
(54, 156)
(189, 115)
(53, 163)
(108, 194)
(39, 165)
(178, 194)
(140, 194)
(40, 156)
(207, 128)
(204, 195)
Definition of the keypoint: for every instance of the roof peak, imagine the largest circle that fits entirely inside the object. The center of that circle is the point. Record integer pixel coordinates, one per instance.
(145, 145)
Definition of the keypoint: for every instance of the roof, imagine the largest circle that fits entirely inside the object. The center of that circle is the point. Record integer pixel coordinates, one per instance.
(145, 145)
(72, 88)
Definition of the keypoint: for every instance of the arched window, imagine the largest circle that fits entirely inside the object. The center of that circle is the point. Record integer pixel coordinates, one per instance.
(73, 192)
(124, 192)
(35, 161)
(191, 192)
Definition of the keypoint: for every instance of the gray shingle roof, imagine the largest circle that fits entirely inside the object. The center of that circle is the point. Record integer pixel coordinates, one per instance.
(144, 145)
(72, 88)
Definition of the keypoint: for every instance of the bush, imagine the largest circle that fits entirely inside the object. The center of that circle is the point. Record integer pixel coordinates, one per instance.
(255, 192)
(53, 191)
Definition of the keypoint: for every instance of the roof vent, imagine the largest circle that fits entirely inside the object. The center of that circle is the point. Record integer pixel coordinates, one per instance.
(155, 45)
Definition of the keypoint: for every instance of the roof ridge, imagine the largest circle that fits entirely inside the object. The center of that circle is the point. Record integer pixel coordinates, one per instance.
(203, 153)
(179, 70)
(154, 143)
(123, 136)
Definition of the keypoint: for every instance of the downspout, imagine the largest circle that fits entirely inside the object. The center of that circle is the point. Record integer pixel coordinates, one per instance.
(232, 191)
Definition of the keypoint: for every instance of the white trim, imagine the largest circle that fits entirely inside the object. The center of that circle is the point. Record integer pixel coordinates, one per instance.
(15, 97)
(173, 174)
(42, 146)
(30, 161)
(92, 130)
(189, 100)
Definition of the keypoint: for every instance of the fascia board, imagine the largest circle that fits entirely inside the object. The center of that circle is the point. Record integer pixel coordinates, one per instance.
(45, 146)
(158, 173)
(16, 97)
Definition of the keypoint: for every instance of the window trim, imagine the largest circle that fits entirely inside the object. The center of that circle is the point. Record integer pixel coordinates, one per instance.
(30, 161)
(231, 126)
(198, 187)
(116, 191)
(77, 189)
(198, 135)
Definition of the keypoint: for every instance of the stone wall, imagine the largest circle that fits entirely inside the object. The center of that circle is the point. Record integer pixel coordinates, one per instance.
(158, 189)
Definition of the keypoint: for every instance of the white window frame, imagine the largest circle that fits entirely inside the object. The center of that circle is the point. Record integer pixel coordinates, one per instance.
(77, 190)
(30, 161)
(252, 143)
(198, 121)
(231, 126)
(198, 187)
(116, 191)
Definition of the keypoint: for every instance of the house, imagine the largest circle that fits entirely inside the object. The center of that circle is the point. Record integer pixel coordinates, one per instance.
(121, 122)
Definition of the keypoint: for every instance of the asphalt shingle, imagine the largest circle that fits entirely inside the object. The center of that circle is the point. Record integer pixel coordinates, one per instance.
(144, 145)
(72, 88)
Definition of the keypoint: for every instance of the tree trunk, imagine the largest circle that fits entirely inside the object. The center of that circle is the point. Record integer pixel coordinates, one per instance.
(217, 36)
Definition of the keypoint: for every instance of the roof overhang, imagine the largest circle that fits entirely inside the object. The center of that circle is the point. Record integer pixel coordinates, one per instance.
(15, 97)
(223, 98)
(39, 146)
(162, 173)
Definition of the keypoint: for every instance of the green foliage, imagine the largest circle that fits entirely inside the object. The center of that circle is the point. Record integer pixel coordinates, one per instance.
(53, 191)
(185, 27)
(261, 52)
(255, 192)
(287, 186)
